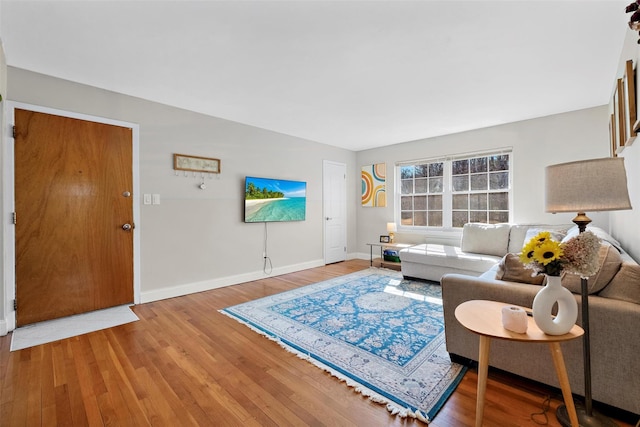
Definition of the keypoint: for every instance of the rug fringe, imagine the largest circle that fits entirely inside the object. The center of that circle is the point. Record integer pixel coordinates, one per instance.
(392, 407)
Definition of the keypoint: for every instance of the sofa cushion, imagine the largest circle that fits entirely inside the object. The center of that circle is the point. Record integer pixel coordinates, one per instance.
(490, 239)
(448, 256)
(511, 269)
(520, 234)
(556, 235)
(516, 237)
(609, 260)
(625, 285)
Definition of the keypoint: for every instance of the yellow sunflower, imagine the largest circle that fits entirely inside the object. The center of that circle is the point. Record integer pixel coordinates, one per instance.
(526, 256)
(542, 237)
(547, 251)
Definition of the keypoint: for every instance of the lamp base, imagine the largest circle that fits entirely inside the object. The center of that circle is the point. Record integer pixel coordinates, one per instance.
(596, 419)
(581, 220)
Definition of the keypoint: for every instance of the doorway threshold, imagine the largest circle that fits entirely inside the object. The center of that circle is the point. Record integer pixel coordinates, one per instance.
(67, 327)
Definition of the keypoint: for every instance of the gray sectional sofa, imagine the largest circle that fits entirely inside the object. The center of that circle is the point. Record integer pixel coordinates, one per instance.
(614, 304)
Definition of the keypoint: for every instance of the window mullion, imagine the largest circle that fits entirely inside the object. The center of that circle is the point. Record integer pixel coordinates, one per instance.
(447, 196)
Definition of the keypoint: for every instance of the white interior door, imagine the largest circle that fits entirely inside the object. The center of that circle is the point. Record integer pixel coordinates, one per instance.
(334, 183)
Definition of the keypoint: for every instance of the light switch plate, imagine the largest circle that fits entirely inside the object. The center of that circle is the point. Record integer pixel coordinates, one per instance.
(156, 199)
(147, 199)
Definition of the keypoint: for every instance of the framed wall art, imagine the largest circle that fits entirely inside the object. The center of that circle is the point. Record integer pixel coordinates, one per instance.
(612, 135)
(185, 162)
(620, 114)
(630, 116)
(373, 185)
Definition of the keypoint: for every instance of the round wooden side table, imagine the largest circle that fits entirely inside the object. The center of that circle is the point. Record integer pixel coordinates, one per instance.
(485, 319)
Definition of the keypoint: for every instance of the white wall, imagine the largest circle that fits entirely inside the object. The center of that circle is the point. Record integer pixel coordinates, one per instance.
(196, 239)
(3, 91)
(536, 144)
(625, 225)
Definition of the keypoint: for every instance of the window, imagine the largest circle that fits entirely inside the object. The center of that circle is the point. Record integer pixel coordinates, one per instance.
(449, 193)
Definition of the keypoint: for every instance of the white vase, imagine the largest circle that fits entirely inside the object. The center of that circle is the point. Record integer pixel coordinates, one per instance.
(543, 303)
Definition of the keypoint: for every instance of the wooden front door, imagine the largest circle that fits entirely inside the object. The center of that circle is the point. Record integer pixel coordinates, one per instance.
(73, 185)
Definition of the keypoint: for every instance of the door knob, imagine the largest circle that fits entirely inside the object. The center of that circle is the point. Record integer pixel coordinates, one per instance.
(126, 227)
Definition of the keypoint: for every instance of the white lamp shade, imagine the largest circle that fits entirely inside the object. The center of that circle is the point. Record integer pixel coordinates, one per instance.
(587, 186)
(391, 227)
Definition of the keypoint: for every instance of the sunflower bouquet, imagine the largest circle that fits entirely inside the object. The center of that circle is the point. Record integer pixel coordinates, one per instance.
(578, 255)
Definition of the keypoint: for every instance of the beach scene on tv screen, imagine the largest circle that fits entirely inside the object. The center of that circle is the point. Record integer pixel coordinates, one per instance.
(274, 200)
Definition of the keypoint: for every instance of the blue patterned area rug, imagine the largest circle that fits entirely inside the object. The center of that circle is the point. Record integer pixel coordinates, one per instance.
(381, 334)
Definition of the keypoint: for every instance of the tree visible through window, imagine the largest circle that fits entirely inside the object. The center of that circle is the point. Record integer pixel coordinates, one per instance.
(421, 194)
(450, 193)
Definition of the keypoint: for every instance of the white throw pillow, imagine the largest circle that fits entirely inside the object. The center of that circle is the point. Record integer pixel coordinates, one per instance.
(557, 235)
(489, 239)
(520, 234)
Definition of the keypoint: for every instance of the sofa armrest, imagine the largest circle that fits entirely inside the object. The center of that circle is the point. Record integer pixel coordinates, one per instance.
(458, 288)
(615, 340)
(615, 346)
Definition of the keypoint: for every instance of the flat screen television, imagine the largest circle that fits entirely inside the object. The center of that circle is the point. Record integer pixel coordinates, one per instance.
(274, 200)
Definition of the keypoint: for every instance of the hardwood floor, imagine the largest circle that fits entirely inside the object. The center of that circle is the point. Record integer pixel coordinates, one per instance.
(185, 364)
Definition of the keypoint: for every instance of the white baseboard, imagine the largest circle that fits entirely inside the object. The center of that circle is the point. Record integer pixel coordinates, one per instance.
(207, 285)
(363, 255)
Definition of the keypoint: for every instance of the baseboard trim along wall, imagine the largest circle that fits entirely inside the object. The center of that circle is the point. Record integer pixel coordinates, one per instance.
(207, 285)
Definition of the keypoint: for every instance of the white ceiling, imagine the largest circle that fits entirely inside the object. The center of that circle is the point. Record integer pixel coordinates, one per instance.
(353, 74)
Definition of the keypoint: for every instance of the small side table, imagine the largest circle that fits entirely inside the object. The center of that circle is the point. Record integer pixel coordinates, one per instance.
(485, 319)
(382, 247)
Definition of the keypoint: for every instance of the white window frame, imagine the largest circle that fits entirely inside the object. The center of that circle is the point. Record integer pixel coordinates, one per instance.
(447, 200)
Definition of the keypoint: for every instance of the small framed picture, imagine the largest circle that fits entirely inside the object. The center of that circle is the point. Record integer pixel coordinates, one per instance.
(184, 162)
(385, 239)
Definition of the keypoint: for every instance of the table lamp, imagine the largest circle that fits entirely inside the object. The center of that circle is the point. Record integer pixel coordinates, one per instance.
(391, 229)
(582, 186)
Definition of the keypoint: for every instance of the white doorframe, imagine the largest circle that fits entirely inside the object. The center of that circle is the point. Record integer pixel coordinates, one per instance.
(8, 319)
(330, 254)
